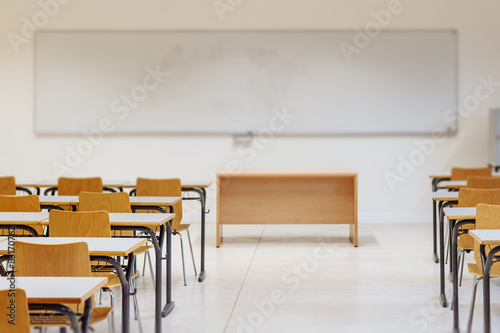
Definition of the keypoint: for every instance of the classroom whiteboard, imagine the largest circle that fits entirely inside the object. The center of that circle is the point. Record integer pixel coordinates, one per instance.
(236, 82)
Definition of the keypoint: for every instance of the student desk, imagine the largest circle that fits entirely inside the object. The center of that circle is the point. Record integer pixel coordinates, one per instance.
(276, 197)
(200, 189)
(444, 199)
(487, 237)
(52, 292)
(23, 220)
(100, 249)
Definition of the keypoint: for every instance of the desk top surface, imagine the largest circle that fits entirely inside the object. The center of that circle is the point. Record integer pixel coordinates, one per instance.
(486, 236)
(460, 213)
(98, 246)
(55, 290)
(110, 183)
(445, 196)
(24, 217)
(288, 173)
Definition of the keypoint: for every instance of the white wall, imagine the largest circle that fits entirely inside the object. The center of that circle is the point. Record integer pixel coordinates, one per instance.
(28, 156)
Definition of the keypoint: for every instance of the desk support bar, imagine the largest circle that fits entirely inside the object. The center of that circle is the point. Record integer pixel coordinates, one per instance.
(202, 197)
(59, 308)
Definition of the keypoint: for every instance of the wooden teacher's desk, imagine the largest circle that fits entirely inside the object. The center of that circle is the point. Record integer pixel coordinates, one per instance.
(277, 196)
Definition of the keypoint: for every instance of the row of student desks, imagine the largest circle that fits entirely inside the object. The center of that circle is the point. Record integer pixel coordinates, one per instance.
(103, 249)
(441, 205)
(199, 188)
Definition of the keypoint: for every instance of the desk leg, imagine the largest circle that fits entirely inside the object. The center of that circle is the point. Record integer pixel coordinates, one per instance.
(170, 304)
(441, 255)
(86, 314)
(486, 286)
(203, 198)
(454, 265)
(202, 194)
(125, 282)
(434, 232)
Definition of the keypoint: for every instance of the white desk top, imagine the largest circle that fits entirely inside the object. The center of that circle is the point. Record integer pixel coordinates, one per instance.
(26, 217)
(109, 183)
(55, 290)
(58, 199)
(453, 183)
(135, 219)
(486, 236)
(445, 196)
(154, 201)
(97, 246)
(460, 213)
(184, 184)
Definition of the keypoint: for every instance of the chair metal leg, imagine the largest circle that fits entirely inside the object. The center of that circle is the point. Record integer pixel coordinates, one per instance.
(100, 296)
(138, 315)
(462, 268)
(192, 255)
(447, 247)
(150, 267)
(183, 265)
(472, 303)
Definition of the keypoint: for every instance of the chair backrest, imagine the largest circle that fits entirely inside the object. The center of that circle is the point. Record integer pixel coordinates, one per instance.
(483, 182)
(79, 224)
(14, 307)
(118, 202)
(21, 203)
(487, 217)
(163, 187)
(471, 197)
(463, 173)
(69, 259)
(8, 185)
(73, 186)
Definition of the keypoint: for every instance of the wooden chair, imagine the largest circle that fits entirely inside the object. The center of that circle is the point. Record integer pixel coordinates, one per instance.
(71, 259)
(8, 186)
(471, 197)
(169, 187)
(86, 224)
(487, 217)
(483, 182)
(73, 186)
(118, 202)
(22, 316)
(463, 173)
(22, 203)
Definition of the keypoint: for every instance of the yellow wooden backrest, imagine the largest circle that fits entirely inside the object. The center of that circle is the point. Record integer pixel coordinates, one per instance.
(21, 203)
(463, 173)
(69, 259)
(14, 308)
(73, 186)
(163, 187)
(471, 197)
(118, 202)
(487, 217)
(79, 224)
(8, 185)
(483, 182)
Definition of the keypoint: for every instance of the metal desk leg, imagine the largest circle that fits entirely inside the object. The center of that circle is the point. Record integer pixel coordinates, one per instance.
(202, 194)
(434, 232)
(125, 281)
(86, 314)
(441, 255)
(169, 306)
(486, 286)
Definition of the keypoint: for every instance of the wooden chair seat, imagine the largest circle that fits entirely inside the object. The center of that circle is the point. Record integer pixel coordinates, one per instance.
(477, 271)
